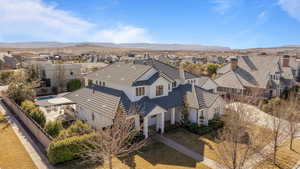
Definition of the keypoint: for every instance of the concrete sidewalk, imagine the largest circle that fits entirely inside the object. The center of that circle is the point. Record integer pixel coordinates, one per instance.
(37, 156)
(186, 151)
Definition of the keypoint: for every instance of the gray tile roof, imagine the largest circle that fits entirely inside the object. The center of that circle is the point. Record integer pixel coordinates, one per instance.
(169, 70)
(105, 101)
(102, 100)
(119, 73)
(196, 97)
(252, 71)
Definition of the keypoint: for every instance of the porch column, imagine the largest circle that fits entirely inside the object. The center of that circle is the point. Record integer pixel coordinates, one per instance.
(162, 125)
(157, 122)
(146, 127)
(173, 116)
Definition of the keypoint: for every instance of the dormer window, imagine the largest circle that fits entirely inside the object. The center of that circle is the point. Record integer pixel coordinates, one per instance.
(159, 90)
(140, 91)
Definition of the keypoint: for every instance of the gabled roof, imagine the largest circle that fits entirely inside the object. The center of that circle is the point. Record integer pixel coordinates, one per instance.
(168, 70)
(151, 80)
(120, 73)
(229, 80)
(252, 71)
(105, 101)
(102, 100)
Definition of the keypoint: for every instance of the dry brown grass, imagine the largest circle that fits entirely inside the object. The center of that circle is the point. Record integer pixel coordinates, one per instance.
(153, 156)
(159, 156)
(286, 158)
(12, 153)
(205, 145)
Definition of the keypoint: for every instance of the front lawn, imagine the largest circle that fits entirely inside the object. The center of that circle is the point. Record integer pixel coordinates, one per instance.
(203, 145)
(286, 158)
(159, 156)
(12, 153)
(155, 155)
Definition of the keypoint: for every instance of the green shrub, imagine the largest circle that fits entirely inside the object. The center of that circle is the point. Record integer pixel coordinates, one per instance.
(66, 149)
(34, 112)
(216, 124)
(74, 84)
(204, 130)
(38, 116)
(28, 106)
(77, 128)
(53, 128)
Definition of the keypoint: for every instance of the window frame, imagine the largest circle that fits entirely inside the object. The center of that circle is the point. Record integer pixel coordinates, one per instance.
(140, 91)
(159, 90)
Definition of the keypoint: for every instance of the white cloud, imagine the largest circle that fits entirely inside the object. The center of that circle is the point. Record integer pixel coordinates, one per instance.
(262, 17)
(222, 6)
(292, 7)
(38, 21)
(122, 34)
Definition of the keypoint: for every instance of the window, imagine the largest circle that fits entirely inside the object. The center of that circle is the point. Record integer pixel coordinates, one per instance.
(169, 86)
(174, 84)
(140, 91)
(103, 84)
(159, 90)
(93, 117)
(96, 82)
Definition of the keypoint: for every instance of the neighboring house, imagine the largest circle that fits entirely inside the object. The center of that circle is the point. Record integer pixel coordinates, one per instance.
(54, 74)
(158, 91)
(268, 75)
(8, 61)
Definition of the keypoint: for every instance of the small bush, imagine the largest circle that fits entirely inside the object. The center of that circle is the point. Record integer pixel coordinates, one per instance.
(73, 85)
(202, 130)
(38, 116)
(53, 128)
(66, 149)
(77, 128)
(28, 106)
(216, 124)
(34, 112)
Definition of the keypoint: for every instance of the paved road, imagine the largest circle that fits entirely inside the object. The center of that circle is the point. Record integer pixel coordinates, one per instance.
(186, 151)
(38, 157)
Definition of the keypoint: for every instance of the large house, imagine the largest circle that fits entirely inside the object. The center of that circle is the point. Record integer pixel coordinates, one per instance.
(157, 90)
(268, 75)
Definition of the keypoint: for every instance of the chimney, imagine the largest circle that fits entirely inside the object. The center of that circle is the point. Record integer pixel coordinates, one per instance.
(181, 73)
(234, 63)
(285, 61)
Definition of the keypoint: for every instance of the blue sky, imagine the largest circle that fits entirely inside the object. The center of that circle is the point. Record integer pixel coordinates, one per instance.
(232, 23)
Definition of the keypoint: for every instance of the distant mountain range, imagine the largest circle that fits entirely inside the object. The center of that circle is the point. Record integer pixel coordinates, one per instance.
(150, 46)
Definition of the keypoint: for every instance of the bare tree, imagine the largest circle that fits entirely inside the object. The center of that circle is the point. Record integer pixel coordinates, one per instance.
(292, 117)
(118, 140)
(238, 140)
(277, 124)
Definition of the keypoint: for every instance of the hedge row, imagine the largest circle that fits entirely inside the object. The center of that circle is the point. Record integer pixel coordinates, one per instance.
(202, 130)
(66, 149)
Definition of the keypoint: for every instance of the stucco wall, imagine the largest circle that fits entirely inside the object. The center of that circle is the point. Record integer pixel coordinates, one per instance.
(99, 120)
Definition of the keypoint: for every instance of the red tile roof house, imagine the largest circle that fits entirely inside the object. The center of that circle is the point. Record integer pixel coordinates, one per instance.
(157, 88)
